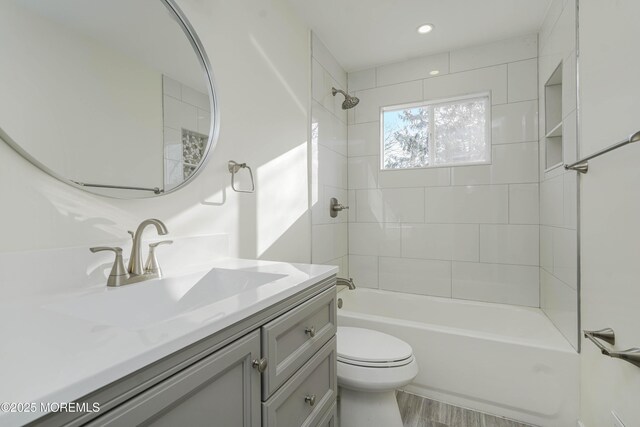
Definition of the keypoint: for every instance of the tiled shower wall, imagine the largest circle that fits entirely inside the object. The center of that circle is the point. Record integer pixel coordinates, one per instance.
(183, 108)
(558, 188)
(469, 232)
(329, 159)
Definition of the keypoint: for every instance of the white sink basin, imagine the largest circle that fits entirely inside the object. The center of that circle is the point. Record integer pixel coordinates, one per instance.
(143, 304)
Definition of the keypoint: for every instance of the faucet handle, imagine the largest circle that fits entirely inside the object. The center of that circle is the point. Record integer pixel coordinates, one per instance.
(133, 235)
(152, 266)
(162, 242)
(118, 272)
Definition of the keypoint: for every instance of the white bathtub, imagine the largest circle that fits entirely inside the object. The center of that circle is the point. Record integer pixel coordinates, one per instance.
(500, 359)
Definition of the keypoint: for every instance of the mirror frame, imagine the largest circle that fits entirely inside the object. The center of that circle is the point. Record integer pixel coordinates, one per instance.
(214, 129)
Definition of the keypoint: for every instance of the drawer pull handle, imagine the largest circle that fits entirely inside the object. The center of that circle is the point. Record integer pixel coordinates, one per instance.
(310, 399)
(310, 331)
(260, 364)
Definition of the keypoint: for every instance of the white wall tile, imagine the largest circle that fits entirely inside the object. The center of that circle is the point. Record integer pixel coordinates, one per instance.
(204, 121)
(369, 206)
(412, 69)
(363, 269)
(332, 168)
(562, 39)
(427, 241)
(565, 262)
(552, 202)
(560, 303)
(178, 115)
(467, 205)
(523, 80)
(501, 52)
(195, 98)
(510, 163)
(546, 248)
(331, 132)
(321, 84)
(569, 84)
(517, 122)
(493, 79)
(320, 52)
(341, 264)
(317, 81)
(329, 241)
(171, 87)
(172, 144)
(415, 276)
(428, 177)
(318, 214)
(509, 244)
(363, 172)
(510, 284)
(340, 194)
(351, 194)
(553, 13)
(441, 241)
(570, 196)
(569, 138)
(359, 80)
(188, 116)
(371, 100)
(524, 204)
(390, 205)
(364, 139)
(374, 239)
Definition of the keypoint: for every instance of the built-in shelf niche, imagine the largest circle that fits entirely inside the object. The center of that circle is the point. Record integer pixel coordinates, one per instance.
(553, 119)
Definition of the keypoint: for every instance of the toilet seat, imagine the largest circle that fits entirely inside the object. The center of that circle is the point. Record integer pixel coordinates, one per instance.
(372, 349)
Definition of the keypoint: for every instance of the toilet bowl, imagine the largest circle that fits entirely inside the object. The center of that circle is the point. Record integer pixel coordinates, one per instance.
(371, 366)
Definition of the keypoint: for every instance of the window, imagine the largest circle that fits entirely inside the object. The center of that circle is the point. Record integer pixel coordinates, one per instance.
(435, 134)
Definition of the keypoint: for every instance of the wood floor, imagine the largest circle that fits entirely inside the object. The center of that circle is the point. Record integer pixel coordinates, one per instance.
(418, 411)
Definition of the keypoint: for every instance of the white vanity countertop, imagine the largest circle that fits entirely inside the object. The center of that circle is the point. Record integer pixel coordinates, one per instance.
(60, 347)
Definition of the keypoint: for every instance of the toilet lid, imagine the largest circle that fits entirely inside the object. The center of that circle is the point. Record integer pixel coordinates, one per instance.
(367, 347)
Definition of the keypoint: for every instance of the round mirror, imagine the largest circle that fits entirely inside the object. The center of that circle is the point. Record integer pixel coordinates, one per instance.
(115, 97)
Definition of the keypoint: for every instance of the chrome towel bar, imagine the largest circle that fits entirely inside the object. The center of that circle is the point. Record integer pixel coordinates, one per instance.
(582, 165)
(631, 355)
(156, 190)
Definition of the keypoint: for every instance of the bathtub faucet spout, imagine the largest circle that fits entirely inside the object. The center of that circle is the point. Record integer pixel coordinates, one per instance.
(345, 282)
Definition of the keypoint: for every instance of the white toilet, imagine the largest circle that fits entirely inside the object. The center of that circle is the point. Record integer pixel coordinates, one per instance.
(371, 365)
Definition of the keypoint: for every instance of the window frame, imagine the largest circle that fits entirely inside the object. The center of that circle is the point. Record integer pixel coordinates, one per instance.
(432, 103)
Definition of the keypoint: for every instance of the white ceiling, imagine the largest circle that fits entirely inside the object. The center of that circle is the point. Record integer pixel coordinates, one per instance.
(365, 33)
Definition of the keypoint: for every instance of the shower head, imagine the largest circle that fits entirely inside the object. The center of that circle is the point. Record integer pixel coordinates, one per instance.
(349, 101)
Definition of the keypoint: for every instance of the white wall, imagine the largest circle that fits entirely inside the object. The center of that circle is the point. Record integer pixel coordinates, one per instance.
(260, 56)
(466, 232)
(558, 188)
(328, 159)
(87, 111)
(610, 206)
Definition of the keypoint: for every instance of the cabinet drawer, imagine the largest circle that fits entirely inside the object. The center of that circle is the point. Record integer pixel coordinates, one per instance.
(291, 405)
(330, 418)
(291, 339)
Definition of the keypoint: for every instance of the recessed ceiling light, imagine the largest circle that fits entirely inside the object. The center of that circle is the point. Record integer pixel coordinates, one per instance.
(425, 28)
(434, 72)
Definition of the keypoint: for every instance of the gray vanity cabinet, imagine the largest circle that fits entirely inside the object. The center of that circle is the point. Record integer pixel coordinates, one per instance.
(221, 390)
(276, 368)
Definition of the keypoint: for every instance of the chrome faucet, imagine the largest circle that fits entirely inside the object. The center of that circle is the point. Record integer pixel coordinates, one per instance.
(135, 272)
(345, 282)
(340, 281)
(135, 261)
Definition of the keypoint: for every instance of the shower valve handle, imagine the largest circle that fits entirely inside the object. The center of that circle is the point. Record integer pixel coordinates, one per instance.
(335, 207)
